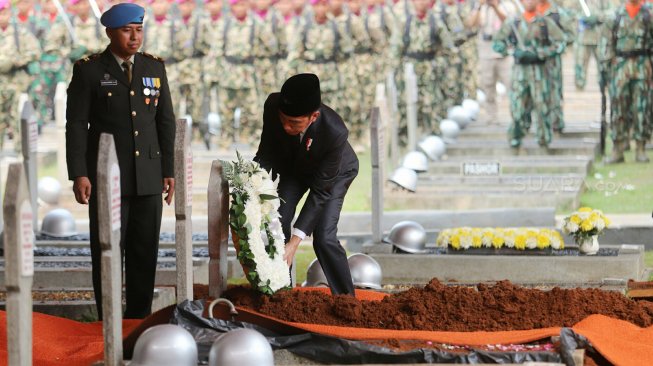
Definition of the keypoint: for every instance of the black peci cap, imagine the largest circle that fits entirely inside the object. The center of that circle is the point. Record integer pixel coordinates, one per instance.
(300, 95)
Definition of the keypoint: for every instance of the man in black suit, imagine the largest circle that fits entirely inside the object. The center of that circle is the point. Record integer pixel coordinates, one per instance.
(304, 142)
(124, 93)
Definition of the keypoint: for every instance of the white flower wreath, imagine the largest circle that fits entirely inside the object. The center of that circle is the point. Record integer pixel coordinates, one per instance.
(256, 226)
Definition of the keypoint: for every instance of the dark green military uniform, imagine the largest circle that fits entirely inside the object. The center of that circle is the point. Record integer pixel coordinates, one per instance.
(141, 119)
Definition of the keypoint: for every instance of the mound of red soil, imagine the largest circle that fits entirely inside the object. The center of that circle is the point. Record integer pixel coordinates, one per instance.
(437, 307)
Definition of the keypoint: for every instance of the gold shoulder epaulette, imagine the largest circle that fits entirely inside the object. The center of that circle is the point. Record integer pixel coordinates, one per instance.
(152, 56)
(88, 58)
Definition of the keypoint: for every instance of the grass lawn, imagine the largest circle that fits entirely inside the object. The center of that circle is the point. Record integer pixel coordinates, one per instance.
(620, 188)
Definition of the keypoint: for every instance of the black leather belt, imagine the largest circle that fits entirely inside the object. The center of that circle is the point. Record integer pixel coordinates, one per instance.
(237, 60)
(421, 56)
(634, 53)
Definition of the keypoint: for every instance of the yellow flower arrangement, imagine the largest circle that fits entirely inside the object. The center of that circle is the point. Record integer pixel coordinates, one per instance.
(585, 223)
(518, 238)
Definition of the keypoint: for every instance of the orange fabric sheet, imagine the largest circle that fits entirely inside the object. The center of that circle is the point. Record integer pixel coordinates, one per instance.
(59, 341)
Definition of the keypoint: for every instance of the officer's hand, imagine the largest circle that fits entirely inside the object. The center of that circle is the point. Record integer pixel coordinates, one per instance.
(169, 189)
(291, 248)
(82, 190)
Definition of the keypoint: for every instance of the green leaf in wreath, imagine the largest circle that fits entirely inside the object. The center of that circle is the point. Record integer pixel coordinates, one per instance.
(242, 219)
(249, 228)
(267, 197)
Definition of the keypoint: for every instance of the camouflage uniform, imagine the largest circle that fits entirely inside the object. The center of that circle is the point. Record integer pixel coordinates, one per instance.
(266, 62)
(238, 46)
(379, 23)
(91, 38)
(163, 38)
(452, 86)
(425, 43)
(531, 88)
(19, 51)
(629, 42)
(190, 83)
(356, 68)
(469, 53)
(587, 38)
(565, 22)
(211, 29)
(318, 48)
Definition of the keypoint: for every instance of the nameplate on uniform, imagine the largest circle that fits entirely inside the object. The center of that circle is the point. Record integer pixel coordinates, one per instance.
(481, 168)
(113, 82)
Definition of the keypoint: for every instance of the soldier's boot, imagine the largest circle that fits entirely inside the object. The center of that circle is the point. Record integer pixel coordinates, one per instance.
(640, 153)
(617, 154)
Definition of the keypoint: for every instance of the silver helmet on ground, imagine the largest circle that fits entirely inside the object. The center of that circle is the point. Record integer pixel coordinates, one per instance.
(365, 271)
(408, 236)
(165, 345)
(241, 347)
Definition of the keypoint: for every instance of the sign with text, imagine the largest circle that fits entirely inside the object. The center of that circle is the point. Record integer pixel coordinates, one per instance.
(189, 177)
(26, 239)
(481, 168)
(115, 197)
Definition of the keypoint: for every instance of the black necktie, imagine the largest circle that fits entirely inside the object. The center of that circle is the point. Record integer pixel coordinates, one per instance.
(128, 72)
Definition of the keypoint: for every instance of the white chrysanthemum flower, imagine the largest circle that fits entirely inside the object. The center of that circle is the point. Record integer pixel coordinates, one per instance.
(570, 227)
(556, 243)
(531, 242)
(599, 224)
(466, 241)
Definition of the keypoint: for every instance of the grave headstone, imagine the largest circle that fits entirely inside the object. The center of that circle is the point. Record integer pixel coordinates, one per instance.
(19, 266)
(109, 205)
(60, 97)
(377, 174)
(29, 137)
(218, 227)
(183, 211)
(411, 105)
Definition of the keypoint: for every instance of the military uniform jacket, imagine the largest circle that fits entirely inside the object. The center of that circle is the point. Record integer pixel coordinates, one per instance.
(322, 158)
(101, 100)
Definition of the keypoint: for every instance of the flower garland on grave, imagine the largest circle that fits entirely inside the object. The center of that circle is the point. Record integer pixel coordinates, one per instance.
(255, 225)
(463, 238)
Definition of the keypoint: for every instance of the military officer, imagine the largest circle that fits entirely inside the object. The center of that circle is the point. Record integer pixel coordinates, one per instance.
(534, 39)
(125, 93)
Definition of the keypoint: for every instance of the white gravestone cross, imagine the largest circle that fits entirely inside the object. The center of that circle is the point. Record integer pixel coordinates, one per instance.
(109, 222)
(19, 262)
(218, 224)
(183, 211)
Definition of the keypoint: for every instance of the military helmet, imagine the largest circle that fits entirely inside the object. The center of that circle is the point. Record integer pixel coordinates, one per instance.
(365, 271)
(241, 347)
(165, 345)
(49, 190)
(58, 223)
(409, 236)
(315, 275)
(433, 146)
(460, 115)
(416, 160)
(473, 107)
(405, 178)
(449, 129)
(480, 96)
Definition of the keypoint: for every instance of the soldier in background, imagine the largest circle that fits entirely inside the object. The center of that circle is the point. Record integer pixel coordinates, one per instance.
(348, 104)
(533, 39)
(267, 63)
(488, 16)
(422, 40)
(379, 23)
(19, 52)
(469, 50)
(164, 36)
(318, 48)
(452, 85)
(587, 39)
(629, 40)
(566, 23)
(89, 34)
(243, 38)
(190, 83)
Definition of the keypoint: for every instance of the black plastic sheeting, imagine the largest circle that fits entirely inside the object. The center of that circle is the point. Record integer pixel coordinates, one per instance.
(327, 349)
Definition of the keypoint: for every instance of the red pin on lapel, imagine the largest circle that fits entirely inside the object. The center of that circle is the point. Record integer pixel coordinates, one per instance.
(309, 142)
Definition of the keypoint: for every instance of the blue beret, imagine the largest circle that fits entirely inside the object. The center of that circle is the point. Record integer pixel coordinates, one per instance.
(122, 14)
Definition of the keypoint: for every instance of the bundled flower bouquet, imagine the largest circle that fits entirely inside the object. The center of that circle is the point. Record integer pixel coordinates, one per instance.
(517, 238)
(585, 223)
(255, 225)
